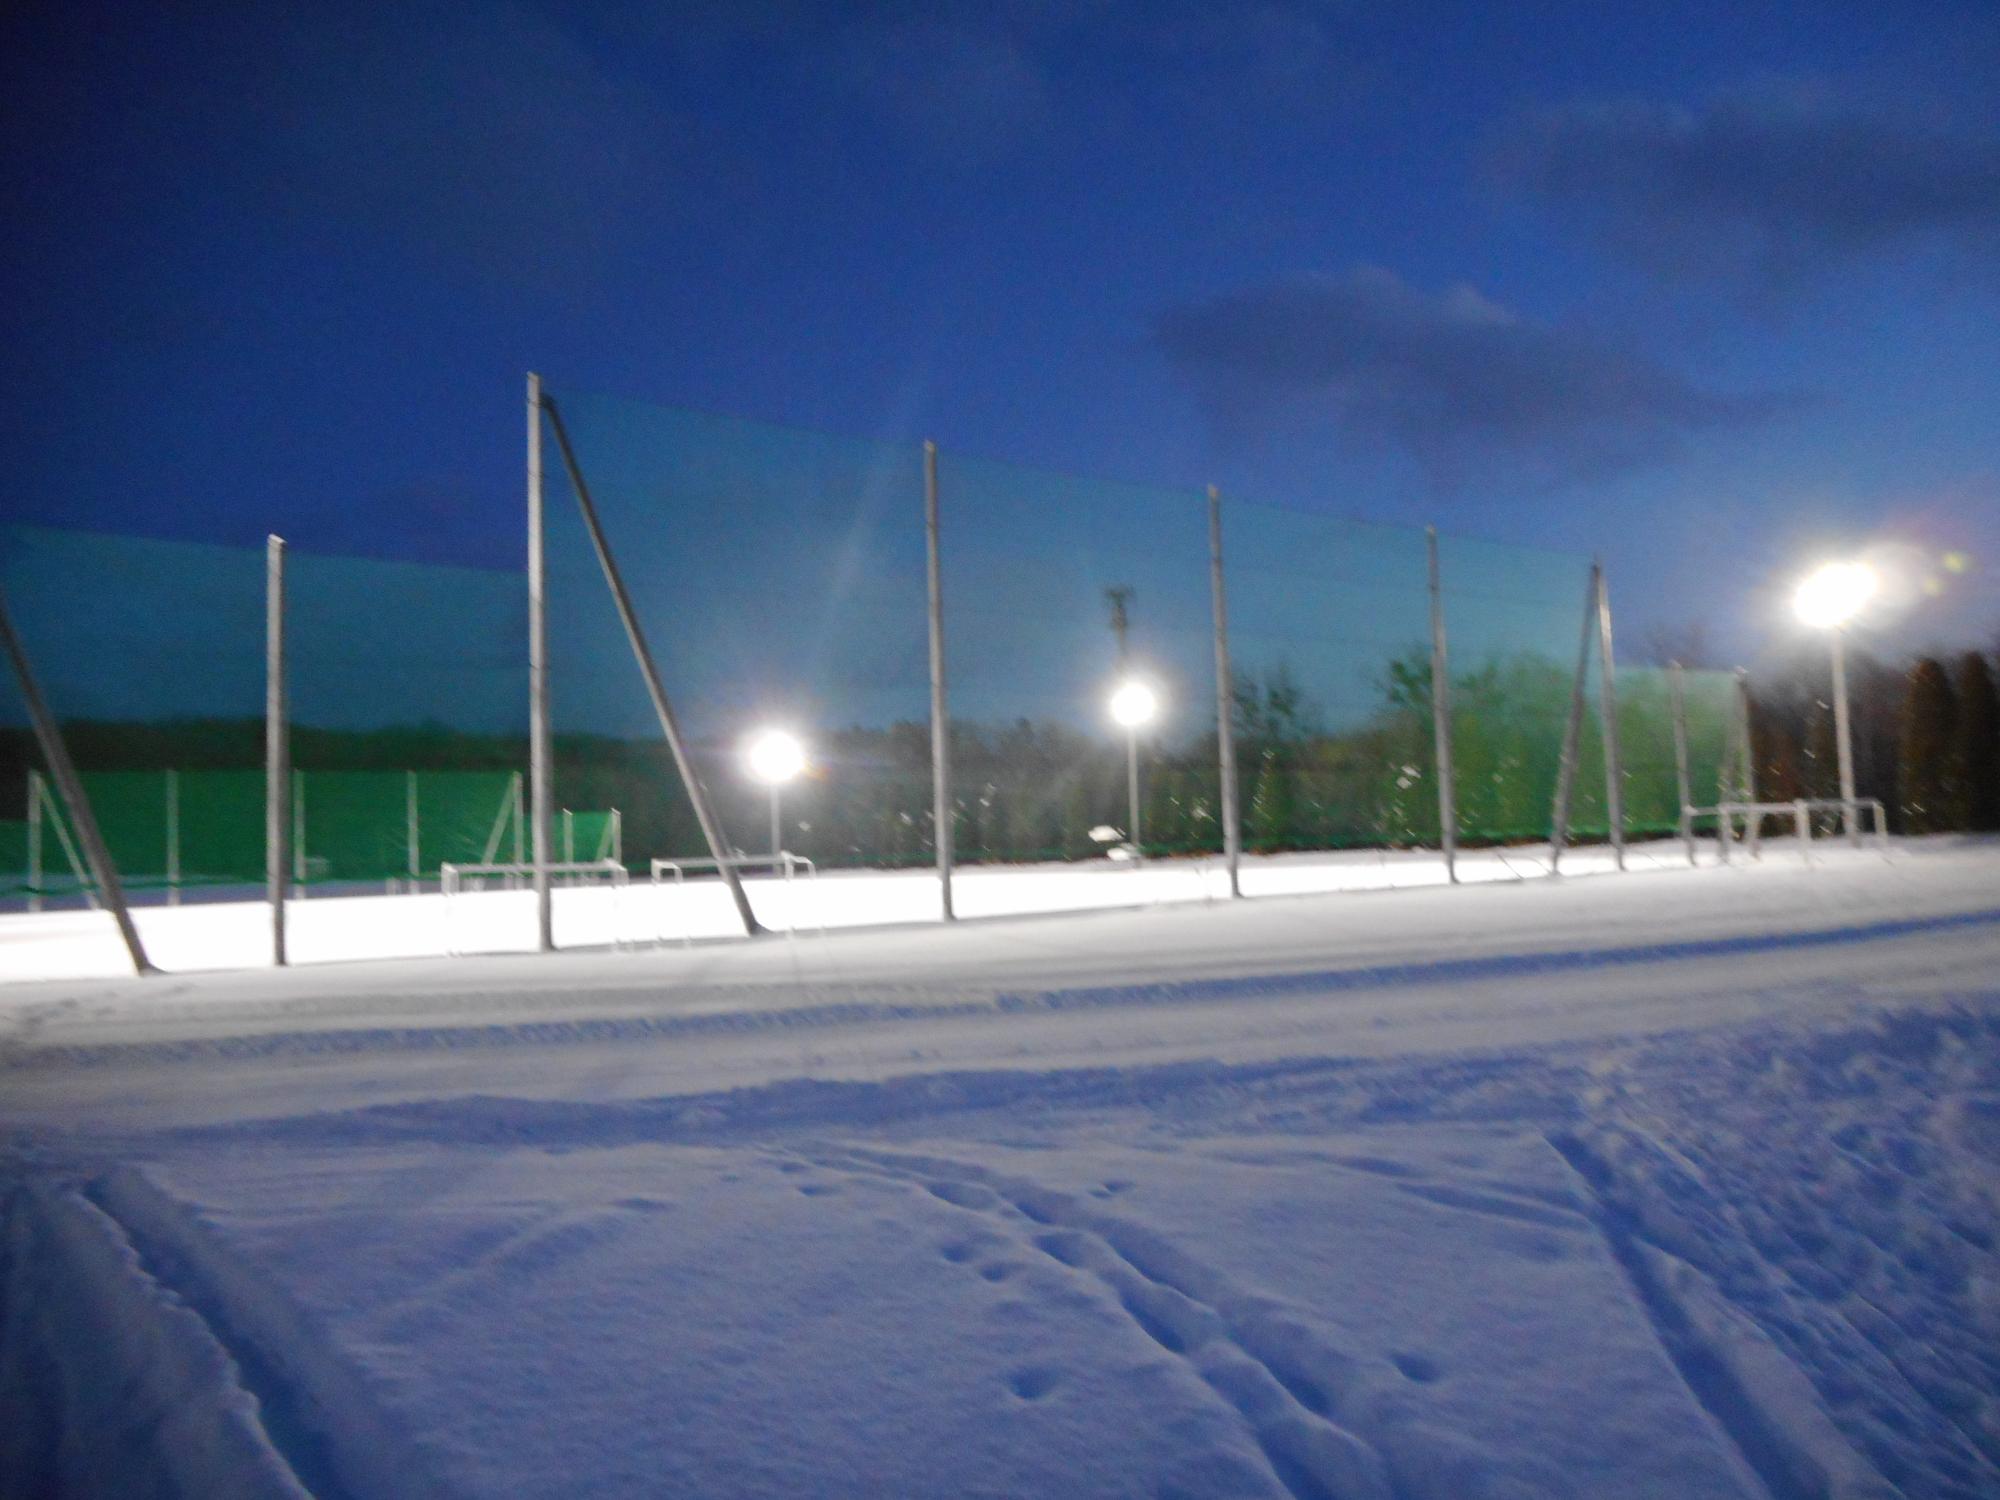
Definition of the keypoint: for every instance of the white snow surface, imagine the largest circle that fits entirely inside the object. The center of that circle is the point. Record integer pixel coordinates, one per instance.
(74, 943)
(1681, 1184)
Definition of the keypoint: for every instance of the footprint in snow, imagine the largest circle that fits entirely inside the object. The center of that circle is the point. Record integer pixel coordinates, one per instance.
(1032, 1382)
(1417, 1366)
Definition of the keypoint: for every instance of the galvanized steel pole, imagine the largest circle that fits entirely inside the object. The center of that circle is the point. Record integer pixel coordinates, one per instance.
(1681, 783)
(1844, 736)
(539, 740)
(1607, 697)
(1441, 715)
(410, 829)
(173, 838)
(1132, 787)
(277, 748)
(1225, 698)
(1572, 732)
(941, 810)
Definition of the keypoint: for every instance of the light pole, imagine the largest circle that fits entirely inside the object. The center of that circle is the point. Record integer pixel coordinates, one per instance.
(1827, 600)
(1134, 705)
(774, 758)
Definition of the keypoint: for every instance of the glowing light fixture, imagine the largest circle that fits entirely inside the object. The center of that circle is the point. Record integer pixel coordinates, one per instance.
(774, 757)
(1134, 704)
(1835, 594)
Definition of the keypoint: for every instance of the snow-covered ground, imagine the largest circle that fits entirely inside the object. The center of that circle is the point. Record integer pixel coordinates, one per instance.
(1685, 1183)
(73, 943)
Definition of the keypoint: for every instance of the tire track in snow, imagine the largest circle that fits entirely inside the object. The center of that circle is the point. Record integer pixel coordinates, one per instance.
(318, 1411)
(1789, 1445)
(1296, 1396)
(110, 1383)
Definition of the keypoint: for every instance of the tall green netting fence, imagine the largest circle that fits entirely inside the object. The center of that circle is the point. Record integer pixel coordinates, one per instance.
(780, 576)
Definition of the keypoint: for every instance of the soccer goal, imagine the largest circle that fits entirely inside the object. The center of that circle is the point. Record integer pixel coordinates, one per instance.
(783, 864)
(1800, 811)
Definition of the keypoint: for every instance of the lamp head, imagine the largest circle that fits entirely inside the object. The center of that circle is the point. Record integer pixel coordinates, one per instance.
(774, 756)
(1134, 704)
(1834, 594)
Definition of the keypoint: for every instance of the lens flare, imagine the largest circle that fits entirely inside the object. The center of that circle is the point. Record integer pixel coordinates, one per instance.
(1835, 594)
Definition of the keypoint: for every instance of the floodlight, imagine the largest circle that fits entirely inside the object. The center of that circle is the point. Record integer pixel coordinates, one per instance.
(1134, 703)
(1835, 594)
(775, 756)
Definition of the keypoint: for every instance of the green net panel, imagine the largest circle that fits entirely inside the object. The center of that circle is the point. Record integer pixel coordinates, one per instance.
(151, 654)
(1329, 632)
(1514, 621)
(1030, 560)
(189, 829)
(779, 576)
(588, 835)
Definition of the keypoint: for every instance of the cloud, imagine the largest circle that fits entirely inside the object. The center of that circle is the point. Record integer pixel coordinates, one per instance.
(1776, 184)
(1455, 380)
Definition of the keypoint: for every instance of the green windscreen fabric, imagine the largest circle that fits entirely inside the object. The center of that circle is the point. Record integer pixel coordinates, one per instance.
(188, 829)
(152, 656)
(385, 825)
(586, 835)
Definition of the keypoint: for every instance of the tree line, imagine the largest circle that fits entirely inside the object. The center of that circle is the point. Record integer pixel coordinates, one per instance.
(1926, 738)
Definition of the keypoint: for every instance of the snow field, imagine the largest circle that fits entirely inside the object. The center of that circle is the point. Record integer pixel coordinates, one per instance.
(1682, 1185)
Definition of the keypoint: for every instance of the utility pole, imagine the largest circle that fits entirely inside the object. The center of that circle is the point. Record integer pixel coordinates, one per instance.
(1120, 598)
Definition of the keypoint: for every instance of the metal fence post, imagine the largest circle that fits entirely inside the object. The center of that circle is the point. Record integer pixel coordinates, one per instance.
(539, 753)
(1225, 699)
(1441, 716)
(277, 748)
(173, 838)
(300, 889)
(1843, 734)
(103, 872)
(1607, 691)
(941, 808)
(1572, 732)
(411, 830)
(1753, 823)
(1681, 784)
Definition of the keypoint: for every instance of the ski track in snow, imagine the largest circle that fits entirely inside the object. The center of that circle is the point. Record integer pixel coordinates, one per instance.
(1803, 1215)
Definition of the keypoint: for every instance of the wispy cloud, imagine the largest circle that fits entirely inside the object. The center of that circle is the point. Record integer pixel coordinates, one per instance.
(1453, 379)
(1779, 184)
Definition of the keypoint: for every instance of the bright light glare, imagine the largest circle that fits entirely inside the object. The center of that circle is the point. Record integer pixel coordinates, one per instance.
(1835, 594)
(1134, 703)
(775, 756)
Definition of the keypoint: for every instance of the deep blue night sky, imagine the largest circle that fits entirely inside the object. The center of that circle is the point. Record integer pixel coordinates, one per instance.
(1710, 288)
